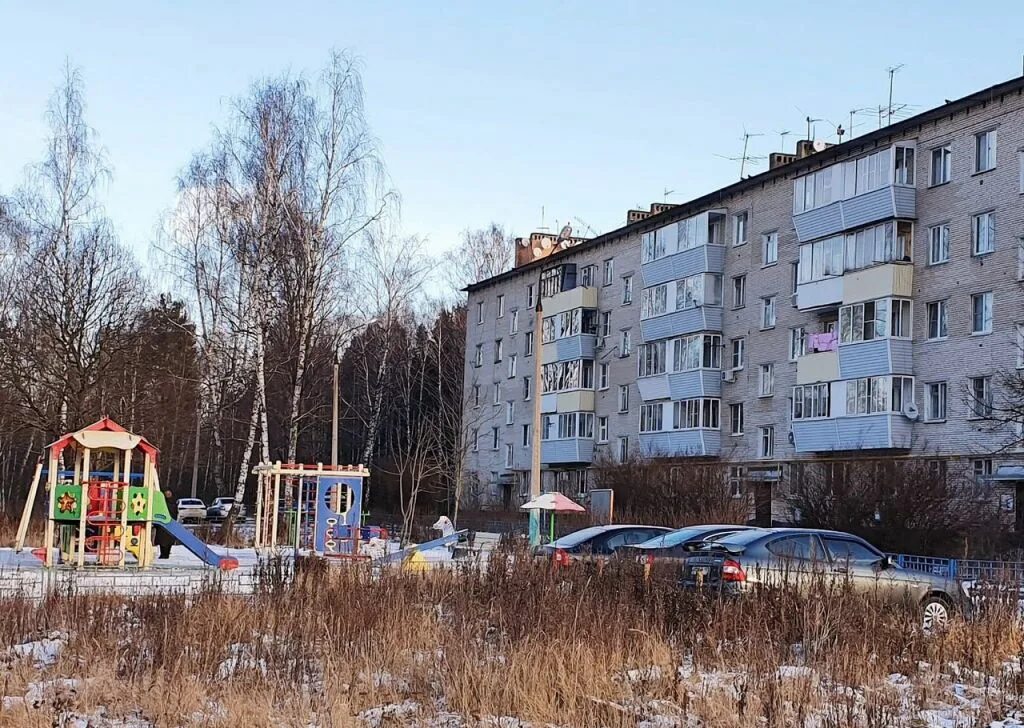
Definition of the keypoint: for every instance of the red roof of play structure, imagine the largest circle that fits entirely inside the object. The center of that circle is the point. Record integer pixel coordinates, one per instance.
(104, 425)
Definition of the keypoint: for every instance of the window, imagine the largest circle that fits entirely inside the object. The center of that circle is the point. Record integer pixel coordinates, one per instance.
(812, 401)
(704, 289)
(982, 468)
(564, 376)
(821, 259)
(567, 426)
(766, 380)
(478, 356)
(531, 292)
(494, 438)
(1020, 169)
(739, 291)
(528, 344)
(736, 418)
(942, 165)
(701, 351)
(875, 320)
(527, 388)
(512, 366)
(509, 455)
(658, 243)
(474, 439)
(605, 326)
(935, 401)
(738, 351)
(602, 429)
(651, 417)
(985, 151)
(627, 290)
(1020, 346)
(513, 324)
(739, 228)
(498, 351)
(625, 343)
(770, 248)
(623, 398)
(938, 320)
(981, 396)
(654, 301)
(873, 395)
(981, 313)
(476, 395)
(736, 481)
(526, 435)
(904, 166)
(602, 375)
(501, 305)
(1020, 259)
(479, 312)
(766, 445)
(651, 359)
(899, 319)
(938, 244)
(689, 414)
(768, 312)
(609, 271)
(983, 233)
(497, 393)
(794, 276)
(847, 552)
(588, 276)
(797, 343)
(623, 449)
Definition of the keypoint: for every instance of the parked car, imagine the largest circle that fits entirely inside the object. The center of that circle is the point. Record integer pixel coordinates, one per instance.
(595, 543)
(191, 509)
(218, 511)
(744, 560)
(675, 545)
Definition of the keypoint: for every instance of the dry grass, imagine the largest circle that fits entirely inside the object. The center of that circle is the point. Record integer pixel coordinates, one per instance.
(546, 648)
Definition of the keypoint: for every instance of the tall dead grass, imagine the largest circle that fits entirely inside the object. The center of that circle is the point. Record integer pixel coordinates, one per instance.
(574, 647)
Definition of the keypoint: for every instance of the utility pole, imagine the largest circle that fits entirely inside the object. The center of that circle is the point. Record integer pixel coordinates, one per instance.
(334, 414)
(538, 391)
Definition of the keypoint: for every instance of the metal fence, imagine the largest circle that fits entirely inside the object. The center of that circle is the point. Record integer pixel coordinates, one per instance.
(966, 569)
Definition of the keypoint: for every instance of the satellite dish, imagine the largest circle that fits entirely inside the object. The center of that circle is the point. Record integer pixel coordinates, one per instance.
(818, 145)
(911, 412)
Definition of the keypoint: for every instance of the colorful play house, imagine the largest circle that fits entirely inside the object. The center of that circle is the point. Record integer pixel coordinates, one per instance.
(102, 509)
(315, 508)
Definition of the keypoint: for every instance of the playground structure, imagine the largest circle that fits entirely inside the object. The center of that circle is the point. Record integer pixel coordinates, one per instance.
(97, 518)
(318, 509)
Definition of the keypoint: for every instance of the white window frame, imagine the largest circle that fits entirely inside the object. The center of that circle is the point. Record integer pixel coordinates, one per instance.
(627, 289)
(766, 442)
(527, 388)
(531, 291)
(797, 342)
(623, 398)
(602, 376)
(739, 347)
(495, 439)
(497, 393)
(587, 275)
(478, 356)
(983, 233)
(652, 417)
(526, 435)
(740, 228)
(812, 401)
(512, 366)
(941, 307)
(602, 429)
(769, 314)
(990, 139)
(1020, 169)
(474, 438)
(608, 271)
(622, 448)
(769, 248)
(735, 407)
(974, 401)
(987, 301)
(938, 244)
(766, 380)
(528, 344)
(501, 305)
(479, 312)
(513, 324)
(476, 395)
(945, 154)
(510, 454)
(939, 411)
(625, 343)
(510, 412)
(739, 291)
(1020, 345)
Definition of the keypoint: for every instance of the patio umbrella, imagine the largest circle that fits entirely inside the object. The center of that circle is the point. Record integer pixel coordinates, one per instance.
(553, 503)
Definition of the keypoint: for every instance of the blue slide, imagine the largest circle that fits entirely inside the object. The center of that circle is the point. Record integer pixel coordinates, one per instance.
(189, 540)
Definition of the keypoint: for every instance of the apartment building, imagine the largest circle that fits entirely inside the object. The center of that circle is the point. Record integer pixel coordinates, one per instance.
(856, 300)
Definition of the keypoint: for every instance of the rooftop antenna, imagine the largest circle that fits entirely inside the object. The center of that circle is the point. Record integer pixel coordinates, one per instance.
(854, 112)
(810, 128)
(892, 70)
(587, 226)
(782, 139)
(542, 225)
(665, 193)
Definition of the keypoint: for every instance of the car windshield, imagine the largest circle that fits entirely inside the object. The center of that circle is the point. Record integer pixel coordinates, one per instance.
(190, 502)
(577, 537)
(674, 538)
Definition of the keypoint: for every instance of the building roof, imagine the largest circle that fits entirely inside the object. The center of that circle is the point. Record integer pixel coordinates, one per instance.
(838, 151)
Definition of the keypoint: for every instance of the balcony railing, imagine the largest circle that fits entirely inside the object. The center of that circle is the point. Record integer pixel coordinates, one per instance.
(569, 450)
(886, 431)
(681, 385)
(880, 204)
(681, 443)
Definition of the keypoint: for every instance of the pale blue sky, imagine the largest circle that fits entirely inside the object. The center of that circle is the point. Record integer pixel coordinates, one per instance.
(489, 111)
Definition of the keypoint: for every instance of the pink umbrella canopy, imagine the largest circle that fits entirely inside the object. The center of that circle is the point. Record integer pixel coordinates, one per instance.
(553, 502)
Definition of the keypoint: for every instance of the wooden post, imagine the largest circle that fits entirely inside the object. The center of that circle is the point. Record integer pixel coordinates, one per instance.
(148, 480)
(126, 473)
(26, 513)
(51, 484)
(275, 510)
(86, 454)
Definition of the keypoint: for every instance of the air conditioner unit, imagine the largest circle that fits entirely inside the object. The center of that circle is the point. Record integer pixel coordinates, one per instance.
(728, 375)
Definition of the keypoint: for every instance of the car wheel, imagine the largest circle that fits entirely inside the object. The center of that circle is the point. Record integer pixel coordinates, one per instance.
(935, 613)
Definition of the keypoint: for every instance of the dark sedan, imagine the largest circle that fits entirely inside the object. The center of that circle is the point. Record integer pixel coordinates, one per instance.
(596, 543)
